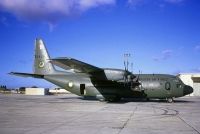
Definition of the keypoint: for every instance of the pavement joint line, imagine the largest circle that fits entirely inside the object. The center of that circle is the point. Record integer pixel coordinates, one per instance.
(59, 125)
(188, 124)
(131, 115)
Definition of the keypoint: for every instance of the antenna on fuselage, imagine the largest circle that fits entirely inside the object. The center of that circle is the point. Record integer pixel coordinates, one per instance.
(126, 60)
(131, 67)
(126, 65)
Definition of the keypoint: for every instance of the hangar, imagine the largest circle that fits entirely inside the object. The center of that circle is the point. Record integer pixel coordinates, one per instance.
(192, 80)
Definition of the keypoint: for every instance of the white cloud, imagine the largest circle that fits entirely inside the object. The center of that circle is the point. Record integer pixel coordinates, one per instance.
(53, 10)
(155, 58)
(4, 21)
(158, 2)
(197, 48)
(49, 10)
(135, 2)
(174, 1)
(165, 54)
(87, 4)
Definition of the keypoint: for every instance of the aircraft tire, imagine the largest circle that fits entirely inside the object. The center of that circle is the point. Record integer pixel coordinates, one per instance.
(114, 99)
(170, 100)
(147, 99)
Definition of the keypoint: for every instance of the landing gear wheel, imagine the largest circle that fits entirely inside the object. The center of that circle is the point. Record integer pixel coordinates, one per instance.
(147, 99)
(170, 100)
(114, 99)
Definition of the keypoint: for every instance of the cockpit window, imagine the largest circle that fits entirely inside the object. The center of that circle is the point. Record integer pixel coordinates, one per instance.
(179, 80)
(178, 85)
(176, 80)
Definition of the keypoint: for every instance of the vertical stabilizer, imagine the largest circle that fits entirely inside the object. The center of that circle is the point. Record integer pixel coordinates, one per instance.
(41, 62)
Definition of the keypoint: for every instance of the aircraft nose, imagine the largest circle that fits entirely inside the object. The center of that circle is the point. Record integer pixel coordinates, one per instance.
(187, 90)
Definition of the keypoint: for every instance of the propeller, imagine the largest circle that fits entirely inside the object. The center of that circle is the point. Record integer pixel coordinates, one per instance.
(138, 76)
(126, 73)
(136, 80)
(129, 77)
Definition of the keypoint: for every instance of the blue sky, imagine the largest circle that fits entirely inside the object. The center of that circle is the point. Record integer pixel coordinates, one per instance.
(163, 36)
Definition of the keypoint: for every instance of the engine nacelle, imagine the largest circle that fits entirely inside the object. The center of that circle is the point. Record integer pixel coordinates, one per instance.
(114, 74)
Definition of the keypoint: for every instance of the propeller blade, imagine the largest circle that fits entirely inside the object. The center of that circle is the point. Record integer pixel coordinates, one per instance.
(125, 65)
(137, 80)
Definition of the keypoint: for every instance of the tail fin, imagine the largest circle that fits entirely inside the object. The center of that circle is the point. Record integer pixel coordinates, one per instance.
(41, 62)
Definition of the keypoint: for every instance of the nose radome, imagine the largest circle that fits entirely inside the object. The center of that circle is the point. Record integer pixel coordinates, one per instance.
(187, 90)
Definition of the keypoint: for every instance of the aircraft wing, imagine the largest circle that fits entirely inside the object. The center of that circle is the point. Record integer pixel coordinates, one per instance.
(27, 75)
(78, 66)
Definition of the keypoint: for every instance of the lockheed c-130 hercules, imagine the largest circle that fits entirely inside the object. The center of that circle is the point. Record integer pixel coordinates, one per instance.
(103, 83)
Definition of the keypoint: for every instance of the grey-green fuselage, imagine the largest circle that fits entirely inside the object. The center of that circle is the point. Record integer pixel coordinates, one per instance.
(151, 86)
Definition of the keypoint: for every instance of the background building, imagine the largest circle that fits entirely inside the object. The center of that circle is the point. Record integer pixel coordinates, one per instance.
(36, 91)
(192, 80)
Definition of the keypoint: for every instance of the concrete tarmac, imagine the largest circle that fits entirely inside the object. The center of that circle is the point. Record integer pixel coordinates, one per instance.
(69, 114)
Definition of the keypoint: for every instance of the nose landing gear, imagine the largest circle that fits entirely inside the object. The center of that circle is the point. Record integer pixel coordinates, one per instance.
(170, 100)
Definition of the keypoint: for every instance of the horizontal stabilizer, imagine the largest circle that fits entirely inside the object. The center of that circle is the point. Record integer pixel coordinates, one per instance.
(27, 75)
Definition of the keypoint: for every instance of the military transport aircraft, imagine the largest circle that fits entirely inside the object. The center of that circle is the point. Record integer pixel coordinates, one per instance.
(103, 83)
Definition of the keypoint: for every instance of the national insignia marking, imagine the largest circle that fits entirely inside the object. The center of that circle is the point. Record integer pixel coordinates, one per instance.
(41, 64)
(70, 84)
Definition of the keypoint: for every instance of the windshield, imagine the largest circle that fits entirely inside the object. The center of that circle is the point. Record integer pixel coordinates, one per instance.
(178, 80)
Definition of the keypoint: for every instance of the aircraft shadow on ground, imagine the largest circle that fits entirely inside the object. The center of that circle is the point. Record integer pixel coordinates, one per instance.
(127, 100)
(183, 101)
(80, 98)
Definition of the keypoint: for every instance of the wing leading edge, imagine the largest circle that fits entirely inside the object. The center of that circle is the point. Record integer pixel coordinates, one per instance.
(78, 66)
